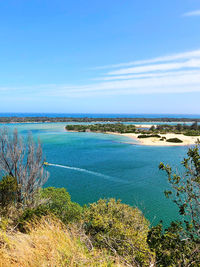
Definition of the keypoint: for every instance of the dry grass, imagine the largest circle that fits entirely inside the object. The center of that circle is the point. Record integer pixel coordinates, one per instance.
(49, 243)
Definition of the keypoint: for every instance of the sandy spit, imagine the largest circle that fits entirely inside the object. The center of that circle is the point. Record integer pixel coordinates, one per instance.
(154, 141)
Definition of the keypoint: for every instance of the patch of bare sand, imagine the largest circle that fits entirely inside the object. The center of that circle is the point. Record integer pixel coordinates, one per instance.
(155, 141)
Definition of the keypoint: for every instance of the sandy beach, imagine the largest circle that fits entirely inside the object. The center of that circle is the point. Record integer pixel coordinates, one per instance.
(154, 141)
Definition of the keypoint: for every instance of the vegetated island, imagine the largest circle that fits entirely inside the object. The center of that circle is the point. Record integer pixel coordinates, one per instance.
(156, 135)
(15, 119)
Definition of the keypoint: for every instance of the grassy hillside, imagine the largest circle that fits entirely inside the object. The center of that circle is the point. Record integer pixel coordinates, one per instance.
(49, 242)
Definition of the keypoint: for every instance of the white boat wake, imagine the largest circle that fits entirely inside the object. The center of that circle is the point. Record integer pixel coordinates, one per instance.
(89, 172)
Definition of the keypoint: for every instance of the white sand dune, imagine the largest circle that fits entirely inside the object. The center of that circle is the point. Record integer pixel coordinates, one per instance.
(154, 141)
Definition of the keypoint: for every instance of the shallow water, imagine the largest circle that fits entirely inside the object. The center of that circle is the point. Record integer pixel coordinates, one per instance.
(109, 166)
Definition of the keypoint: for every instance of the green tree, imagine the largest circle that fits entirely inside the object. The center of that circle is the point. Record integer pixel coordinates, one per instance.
(194, 126)
(179, 127)
(152, 128)
(179, 245)
(186, 191)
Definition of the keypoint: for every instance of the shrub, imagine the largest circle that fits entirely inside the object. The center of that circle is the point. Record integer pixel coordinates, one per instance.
(54, 201)
(174, 140)
(119, 228)
(171, 248)
(58, 201)
(192, 133)
(8, 190)
(31, 214)
(143, 136)
(149, 135)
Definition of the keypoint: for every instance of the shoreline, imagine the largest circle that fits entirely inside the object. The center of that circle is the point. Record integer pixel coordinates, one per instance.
(154, 141)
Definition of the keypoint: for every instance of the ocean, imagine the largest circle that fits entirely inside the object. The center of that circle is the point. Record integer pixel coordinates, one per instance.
(98, 115)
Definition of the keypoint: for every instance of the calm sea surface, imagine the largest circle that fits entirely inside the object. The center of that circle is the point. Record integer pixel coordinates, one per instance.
(108, 115)
(125, 169)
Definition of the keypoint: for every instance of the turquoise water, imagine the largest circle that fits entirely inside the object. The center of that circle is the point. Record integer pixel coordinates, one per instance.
(118, 167)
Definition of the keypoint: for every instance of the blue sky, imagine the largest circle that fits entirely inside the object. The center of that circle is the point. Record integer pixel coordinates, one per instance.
(133, 56)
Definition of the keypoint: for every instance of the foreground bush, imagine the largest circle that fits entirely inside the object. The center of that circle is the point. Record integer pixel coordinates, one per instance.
(172, 248)
(49, 243)
(119, 228)
(8, 191)
(59, 203)
(55, 201)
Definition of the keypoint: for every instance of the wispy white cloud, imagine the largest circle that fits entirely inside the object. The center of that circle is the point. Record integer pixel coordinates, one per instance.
(179, 73)
(193, 63)
(171, 83)
(168, 58)
(192, 13)
(146, 75)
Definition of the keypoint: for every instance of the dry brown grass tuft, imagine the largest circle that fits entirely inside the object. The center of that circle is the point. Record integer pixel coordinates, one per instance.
(49, 243)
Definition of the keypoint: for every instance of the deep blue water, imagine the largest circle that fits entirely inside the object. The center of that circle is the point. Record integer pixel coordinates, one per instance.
(81, 115)
(130, 170)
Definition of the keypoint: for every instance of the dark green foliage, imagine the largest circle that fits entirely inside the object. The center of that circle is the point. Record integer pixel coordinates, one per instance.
(190, 130)
(194, 126)
(58, 201)
(192, 133)
(193, 130)
(108, 127)
(89, 119)
(163, 139)
(120, 229)
(8, 190)
(171, 248)
(179, 127)
(149, 135)
(174, 140)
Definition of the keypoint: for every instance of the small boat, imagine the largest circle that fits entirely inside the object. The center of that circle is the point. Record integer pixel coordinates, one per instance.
(46, 163)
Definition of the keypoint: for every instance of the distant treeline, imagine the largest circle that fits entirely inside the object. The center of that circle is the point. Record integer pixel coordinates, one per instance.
(87, 119)
(190, 130)
(108, 127)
